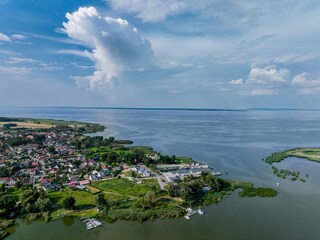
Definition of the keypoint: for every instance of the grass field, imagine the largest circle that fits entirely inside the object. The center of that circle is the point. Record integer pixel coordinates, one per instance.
(33, 123)
(126, 187)
(83, 199)
(29, 125)
(93, 189)
(312, 154)
(87, 213)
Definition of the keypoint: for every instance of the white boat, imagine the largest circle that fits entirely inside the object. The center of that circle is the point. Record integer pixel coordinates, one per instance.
(200, 211)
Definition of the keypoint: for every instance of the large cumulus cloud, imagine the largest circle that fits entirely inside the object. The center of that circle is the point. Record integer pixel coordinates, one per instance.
(113, 45)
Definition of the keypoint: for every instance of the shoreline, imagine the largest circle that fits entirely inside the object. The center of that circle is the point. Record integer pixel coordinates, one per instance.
(147, 203)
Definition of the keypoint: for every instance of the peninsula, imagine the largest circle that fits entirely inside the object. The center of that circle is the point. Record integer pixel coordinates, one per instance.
(51, 168)
(312, 154)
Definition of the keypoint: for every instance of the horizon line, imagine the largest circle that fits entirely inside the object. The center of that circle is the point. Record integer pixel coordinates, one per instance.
(173, 108)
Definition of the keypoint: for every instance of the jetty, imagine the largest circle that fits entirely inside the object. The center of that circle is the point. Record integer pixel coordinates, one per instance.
(92, 223)
(191, 212)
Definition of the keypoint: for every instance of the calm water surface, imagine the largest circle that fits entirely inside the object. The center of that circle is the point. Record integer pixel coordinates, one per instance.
(233, 141)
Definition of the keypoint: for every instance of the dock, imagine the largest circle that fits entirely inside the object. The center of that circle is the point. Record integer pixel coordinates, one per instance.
(92, 223)
(191, 212)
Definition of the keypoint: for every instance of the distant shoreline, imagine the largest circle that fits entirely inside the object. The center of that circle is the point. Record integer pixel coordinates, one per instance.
(168, 108)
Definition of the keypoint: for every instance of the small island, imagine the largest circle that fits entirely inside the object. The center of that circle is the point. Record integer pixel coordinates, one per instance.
(311, 154)
(51, 169)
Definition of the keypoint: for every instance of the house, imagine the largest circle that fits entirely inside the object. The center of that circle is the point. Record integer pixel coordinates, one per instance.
(170, 177)
(91, 162)
(206, 189)
(135, 168)
(11, 182)
(93, 177)
(35, 164)
(143, 172)
(27, 181)
(74, 178)
(45, 181)
(101, 174)
(84, 182)
(48, 186)
(4, 180)
(105, 167)
(2, 163)
(81, 187)
(30, 137)
(73, 184)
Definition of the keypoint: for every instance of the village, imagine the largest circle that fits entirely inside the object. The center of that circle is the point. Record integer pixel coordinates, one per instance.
(48, 160)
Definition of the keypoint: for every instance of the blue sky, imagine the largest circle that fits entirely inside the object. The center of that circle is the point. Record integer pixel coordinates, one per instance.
(160, 53)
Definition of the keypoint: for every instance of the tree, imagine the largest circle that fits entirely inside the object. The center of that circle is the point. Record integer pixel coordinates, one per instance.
(111, 139)
(51, 150)
(18, 184)
(43, 205)
(101, 201)
(69, 203)
(3, 187)
(4, 172)
(146, 201)
(29, 208)
(8, 202)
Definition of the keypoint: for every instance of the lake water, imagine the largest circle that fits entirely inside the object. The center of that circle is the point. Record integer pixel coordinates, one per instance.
(226, 140)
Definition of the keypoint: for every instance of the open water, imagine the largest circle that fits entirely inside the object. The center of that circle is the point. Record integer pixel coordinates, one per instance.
(235, 141)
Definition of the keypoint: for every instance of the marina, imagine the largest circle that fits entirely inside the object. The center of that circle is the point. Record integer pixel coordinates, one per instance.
(92, 223)
(191, 212)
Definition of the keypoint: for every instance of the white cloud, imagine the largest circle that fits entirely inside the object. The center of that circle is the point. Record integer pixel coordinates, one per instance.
(149, 10)
(4, 38)
(267, 76)
(237, 82)
(292, 58)
(114, 45)
(15, 70)
(14, 60)
(310, 91)
(85, 54)
(305, 85)
(11, 53)
(18, 37)
(49, 67)
(262, 81)
(264, 92)
(302, 79)
(33, 62)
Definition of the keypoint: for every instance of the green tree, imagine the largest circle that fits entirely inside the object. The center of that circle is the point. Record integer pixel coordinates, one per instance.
(51, 150)
(4, 172)
(8, 202)
(69, 203)
(18, 184)
(43, 205)
(29, 208)
(101, 201)
(3, 187)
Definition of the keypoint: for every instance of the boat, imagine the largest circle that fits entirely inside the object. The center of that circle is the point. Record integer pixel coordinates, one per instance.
(200, 211)
(187, 217)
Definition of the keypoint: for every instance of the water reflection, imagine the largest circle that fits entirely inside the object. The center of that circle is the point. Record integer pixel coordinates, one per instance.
(68, 221)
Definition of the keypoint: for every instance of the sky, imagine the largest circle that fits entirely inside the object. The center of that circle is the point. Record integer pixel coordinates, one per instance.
(160, 53)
